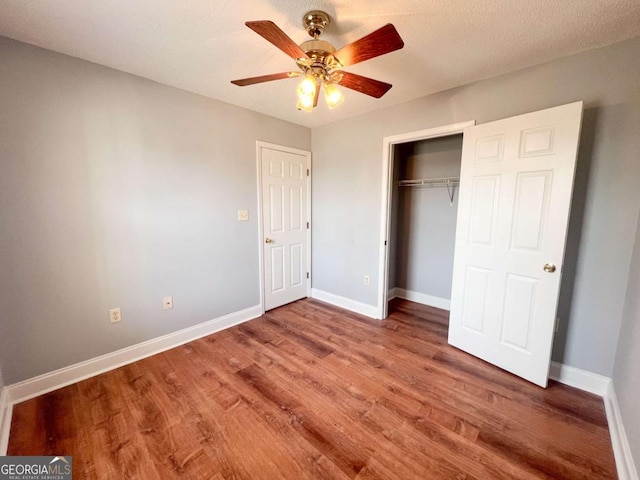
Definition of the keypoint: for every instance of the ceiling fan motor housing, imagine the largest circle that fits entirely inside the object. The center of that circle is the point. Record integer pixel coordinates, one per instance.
(318, 64)
(317, 48)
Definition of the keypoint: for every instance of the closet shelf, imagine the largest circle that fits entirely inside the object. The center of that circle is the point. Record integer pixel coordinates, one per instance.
(430, 182)
(448, 182)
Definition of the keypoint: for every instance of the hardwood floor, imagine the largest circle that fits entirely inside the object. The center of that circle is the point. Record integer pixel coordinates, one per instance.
(309, 391)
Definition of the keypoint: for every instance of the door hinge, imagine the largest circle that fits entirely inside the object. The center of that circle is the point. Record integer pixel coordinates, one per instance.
(307, 225)
(307, 274)
(307, 172)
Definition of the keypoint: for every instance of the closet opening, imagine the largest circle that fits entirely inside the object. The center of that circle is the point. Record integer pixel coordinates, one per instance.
(424, 206)
(420, 215)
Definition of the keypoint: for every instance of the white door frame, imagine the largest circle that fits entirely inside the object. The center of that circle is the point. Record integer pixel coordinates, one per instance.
(259, 145)
(388, 161)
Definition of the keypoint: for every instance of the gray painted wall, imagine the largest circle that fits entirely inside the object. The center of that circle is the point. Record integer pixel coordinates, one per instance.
(626, 372)
(423, 242)
(116, 191)
(347, 172)
(1, 342)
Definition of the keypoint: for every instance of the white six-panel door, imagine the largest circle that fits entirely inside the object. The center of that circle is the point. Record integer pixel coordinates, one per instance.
(516, 183)
(284, 174)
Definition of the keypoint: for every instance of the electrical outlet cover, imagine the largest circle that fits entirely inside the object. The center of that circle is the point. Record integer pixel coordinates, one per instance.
(114, 315)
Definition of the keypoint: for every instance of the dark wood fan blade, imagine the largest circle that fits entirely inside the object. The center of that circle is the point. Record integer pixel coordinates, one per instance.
(243, 82)
(383, 40)
(271, 32)
(368, 86)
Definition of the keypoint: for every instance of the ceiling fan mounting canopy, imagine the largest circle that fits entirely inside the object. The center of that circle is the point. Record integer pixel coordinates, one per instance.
(315, 22)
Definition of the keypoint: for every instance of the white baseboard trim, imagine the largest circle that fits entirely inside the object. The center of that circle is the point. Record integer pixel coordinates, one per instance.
(423, 298)
(602, 386)
(346, 303)
(575, 377)
(19, 392)
(6, 410)
(619, 440)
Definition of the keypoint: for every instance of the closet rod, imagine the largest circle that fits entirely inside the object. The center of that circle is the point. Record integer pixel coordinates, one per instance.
(430, 182)
(448, 182)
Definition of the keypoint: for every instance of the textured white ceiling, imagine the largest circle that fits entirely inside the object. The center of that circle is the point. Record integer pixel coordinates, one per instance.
(200, 45)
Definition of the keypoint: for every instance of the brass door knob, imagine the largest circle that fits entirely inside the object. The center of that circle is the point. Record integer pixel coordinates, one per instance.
(549, 268)
(268, 240)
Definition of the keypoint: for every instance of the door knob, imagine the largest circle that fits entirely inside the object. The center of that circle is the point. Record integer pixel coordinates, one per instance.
(268, 240)
(549, 268)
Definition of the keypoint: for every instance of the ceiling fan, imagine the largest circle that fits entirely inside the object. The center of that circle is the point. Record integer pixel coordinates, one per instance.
(321, 64)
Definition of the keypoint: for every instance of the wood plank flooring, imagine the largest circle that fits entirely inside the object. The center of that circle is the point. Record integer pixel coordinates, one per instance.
(309, 391)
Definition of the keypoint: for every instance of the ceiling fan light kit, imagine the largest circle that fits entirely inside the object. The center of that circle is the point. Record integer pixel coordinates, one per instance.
(307, 93)
(321, 64)
(332, 95)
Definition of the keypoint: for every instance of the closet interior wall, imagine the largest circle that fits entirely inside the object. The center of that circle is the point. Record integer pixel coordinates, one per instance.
(423, 220)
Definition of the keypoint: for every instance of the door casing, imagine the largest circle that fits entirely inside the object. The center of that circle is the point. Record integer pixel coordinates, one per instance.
(388, 160)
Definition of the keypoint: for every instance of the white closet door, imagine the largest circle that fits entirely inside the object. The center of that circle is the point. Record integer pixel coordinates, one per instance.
(516, 183)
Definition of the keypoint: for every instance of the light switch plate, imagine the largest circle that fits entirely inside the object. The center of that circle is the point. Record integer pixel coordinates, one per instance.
(243, 215)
